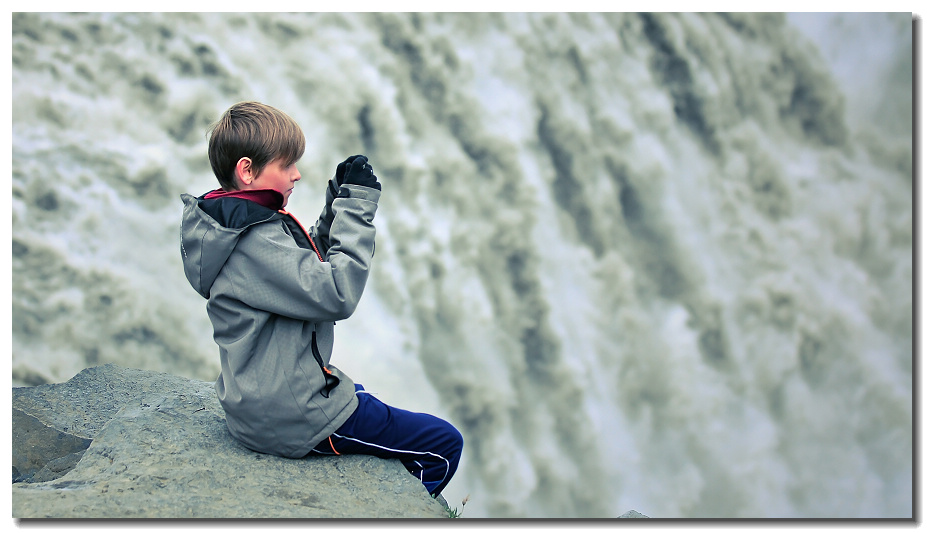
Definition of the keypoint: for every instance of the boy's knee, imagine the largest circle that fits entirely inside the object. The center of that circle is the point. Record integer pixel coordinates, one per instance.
(454, 440)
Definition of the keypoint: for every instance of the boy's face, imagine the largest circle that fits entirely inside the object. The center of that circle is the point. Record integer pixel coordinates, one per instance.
(277, 176)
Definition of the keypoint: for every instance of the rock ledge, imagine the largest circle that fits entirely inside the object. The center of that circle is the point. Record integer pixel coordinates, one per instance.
(115, 442)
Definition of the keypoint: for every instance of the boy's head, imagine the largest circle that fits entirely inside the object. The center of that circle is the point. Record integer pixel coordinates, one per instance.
(257, 132)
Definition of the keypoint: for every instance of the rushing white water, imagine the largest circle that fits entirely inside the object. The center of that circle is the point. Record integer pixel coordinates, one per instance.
(653, 262)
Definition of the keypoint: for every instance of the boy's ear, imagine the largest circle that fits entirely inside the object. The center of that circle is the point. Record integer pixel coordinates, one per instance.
(244, 172)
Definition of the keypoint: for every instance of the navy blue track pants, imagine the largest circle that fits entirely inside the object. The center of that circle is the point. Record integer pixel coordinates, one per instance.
(427, 446)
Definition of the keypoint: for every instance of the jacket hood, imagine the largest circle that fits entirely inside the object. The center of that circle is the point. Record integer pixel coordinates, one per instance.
(210, 228)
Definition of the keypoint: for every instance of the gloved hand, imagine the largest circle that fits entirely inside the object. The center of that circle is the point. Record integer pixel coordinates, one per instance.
(358, 172)
(340, 169)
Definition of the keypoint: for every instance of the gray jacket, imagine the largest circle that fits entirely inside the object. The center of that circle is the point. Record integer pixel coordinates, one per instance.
(273, 304)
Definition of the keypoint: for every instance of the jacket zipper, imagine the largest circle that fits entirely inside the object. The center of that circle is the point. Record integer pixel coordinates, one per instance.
(331, 380)
(306, 233)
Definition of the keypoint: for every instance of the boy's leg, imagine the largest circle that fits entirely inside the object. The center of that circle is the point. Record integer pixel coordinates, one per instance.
(427, 446)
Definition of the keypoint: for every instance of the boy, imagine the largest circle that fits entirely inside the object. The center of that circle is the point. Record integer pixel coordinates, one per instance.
(274, 292)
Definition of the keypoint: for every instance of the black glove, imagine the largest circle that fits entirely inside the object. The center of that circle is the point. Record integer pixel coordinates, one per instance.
(339, 171)
(358, 172)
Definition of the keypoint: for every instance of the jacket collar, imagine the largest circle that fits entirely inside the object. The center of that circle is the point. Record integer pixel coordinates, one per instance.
(268, 198)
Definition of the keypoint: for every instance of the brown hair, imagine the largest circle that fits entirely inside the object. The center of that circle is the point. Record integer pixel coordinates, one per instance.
(256, 131)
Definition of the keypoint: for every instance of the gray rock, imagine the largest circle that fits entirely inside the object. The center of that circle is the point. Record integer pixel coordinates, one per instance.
(633, 514)
(35, 444)
(160, 449)
(57, 467)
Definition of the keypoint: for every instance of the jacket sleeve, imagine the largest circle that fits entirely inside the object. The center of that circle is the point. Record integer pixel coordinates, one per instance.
(322, 228)
(269, 271)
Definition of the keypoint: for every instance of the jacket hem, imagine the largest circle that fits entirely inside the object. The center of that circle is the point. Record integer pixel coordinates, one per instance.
(331, 427)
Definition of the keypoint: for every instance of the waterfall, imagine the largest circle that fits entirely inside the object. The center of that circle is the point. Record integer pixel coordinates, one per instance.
(659, 262)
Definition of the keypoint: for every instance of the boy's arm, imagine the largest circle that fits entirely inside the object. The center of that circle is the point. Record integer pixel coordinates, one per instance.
(269, 271)
(322, 228)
